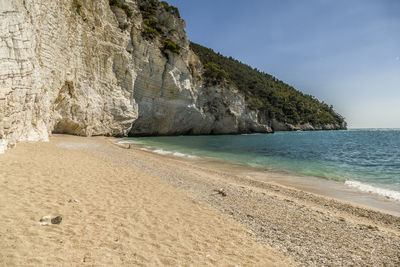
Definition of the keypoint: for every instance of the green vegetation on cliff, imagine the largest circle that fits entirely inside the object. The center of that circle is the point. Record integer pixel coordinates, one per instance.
(153, 27)
(78, 6)
(264, 92)
(171, 9)
(124, 7)
(171, 46)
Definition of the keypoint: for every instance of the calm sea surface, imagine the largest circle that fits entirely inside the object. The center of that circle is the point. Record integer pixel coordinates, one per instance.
(368, 159)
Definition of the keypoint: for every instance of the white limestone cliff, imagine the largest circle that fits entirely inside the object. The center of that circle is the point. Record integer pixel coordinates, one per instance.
(63, 72)
(81, 67)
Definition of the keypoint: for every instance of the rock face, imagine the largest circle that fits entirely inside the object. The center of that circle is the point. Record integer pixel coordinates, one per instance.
(63, 71)
(82, 67)
(170, 94)
(280, 126)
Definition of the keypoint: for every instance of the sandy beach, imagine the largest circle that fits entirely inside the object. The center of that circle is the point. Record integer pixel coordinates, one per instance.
(127, 207)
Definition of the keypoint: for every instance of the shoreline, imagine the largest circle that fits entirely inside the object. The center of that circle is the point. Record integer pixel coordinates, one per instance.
(310, 228)
(138, 207)
(317, 185)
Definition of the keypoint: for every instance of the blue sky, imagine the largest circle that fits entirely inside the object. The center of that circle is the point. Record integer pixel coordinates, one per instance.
(344, 52)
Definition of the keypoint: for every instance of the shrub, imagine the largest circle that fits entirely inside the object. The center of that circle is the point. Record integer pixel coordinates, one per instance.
(151, 22)
(148, 11)
(171, 9)
(78, 6)
(174, 10)
(127, 10)
(165, 4)
(124, 7)
(150, 32)
(123, 26)
(171, 46)
(214, 74)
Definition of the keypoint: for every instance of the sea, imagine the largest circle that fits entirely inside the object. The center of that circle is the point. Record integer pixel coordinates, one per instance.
(365, 159)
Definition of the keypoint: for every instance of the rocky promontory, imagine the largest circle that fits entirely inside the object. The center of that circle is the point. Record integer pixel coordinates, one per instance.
(112, 68)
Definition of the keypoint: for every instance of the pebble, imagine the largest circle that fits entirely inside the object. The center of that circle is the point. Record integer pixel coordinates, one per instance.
(221, 192)
(56, 220)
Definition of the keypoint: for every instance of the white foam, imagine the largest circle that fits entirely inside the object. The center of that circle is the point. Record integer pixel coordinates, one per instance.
(128, 142)
(123, 142)
(162, 152)
(375, 190)
(177, 154)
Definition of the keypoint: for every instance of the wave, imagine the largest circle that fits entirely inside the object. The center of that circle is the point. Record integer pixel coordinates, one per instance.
(166, 152)
(373, 189)
(348, 163)
(175, 154)
(158, 151)
(123, 142)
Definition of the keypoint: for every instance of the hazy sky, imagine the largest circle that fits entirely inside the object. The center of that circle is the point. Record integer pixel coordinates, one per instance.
(344, 52)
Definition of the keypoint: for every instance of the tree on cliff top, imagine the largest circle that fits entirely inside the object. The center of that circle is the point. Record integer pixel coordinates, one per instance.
(264, 92)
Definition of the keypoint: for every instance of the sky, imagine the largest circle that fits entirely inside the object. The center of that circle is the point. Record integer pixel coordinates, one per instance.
(343, 52)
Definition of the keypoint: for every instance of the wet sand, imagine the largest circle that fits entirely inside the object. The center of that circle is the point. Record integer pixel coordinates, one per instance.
(324, 187)
(138, 208)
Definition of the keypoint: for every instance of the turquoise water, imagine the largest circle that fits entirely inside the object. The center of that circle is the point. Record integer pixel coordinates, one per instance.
(367, 159)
